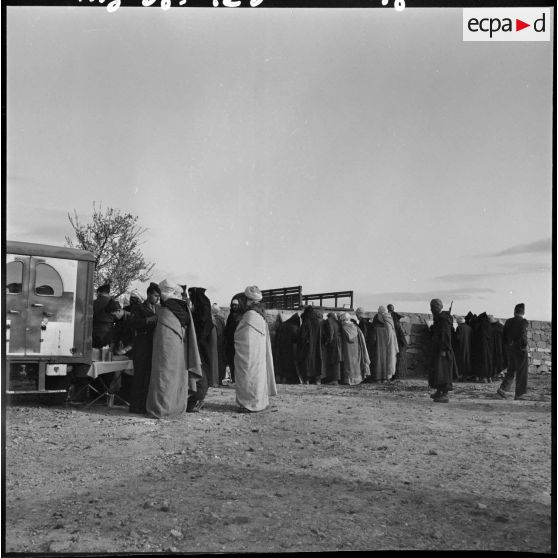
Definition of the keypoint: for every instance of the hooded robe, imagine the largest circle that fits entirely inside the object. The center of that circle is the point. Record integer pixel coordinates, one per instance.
(285, 355)
(332, 349)
(499, 359)
(462, 350)
(352, 353)
(482, 346)
(175, 355)
(385, 347)
(207, 337)
(309, 345)
(253, 362)
(219, 323)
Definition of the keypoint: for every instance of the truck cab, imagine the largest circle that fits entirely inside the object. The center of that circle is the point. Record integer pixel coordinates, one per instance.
(49, 315)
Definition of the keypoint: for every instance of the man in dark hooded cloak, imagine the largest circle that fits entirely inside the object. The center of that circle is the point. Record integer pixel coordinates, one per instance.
(462, 349)
(309, 346)
(203, 324)
(285, 351)
(332, 349)
(482, 348)
(499, 360)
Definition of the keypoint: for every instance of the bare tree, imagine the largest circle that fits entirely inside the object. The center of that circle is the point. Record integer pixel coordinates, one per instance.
(114, 239)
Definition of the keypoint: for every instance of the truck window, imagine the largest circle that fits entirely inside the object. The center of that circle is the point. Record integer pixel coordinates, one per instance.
(48, 281)
(14, 277)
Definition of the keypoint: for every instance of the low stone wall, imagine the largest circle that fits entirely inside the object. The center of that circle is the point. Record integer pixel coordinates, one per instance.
(539, 335)
(414, 325)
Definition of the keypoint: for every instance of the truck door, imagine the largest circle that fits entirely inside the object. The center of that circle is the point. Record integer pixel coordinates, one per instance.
(17, 294)
(51, 306)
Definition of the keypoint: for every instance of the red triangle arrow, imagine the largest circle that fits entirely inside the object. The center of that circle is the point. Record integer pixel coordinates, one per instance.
(519, 25)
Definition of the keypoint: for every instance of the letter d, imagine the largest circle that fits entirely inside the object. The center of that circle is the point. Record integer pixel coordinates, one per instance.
(537, 21)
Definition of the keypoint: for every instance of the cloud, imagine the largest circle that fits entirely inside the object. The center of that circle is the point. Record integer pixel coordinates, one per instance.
(464, 277)
(44, 233)
(544, 245)
(514, 268)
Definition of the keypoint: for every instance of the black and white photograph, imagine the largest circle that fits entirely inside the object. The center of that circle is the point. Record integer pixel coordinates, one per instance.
(278, 276)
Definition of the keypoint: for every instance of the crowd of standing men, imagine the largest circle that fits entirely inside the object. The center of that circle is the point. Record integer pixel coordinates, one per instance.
(181, 345)
(477, 349)
(338, 349)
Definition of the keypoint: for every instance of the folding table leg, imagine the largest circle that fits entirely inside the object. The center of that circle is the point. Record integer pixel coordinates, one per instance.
(74, 393)
(106, 392)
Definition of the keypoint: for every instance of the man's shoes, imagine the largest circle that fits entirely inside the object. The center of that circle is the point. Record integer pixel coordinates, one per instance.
(521, 398)
(435, 395)
(332, 383)
(501, 393)
(195, 407)
(442, 399)
(241, 409)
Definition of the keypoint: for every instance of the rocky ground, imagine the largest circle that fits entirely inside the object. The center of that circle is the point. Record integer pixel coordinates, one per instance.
(328, 468)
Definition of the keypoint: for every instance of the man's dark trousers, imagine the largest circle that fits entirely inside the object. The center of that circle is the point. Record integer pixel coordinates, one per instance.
(518, 364)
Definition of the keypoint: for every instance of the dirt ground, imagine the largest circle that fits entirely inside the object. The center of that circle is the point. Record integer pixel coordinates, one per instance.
(328, 468)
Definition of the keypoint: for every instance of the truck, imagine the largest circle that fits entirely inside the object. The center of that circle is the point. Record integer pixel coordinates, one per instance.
(49, 316)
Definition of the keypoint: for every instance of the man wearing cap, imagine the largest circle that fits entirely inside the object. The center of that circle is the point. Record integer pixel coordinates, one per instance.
(443, 365)
(143, 320)
(102, 320)
(253, 360)
(122, 334)
(515, 342)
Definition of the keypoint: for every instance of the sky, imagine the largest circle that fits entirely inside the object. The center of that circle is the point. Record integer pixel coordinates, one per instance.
(337, 149)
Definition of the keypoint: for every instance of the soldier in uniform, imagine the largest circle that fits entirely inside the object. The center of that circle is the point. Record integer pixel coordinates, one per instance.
(443, 365)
